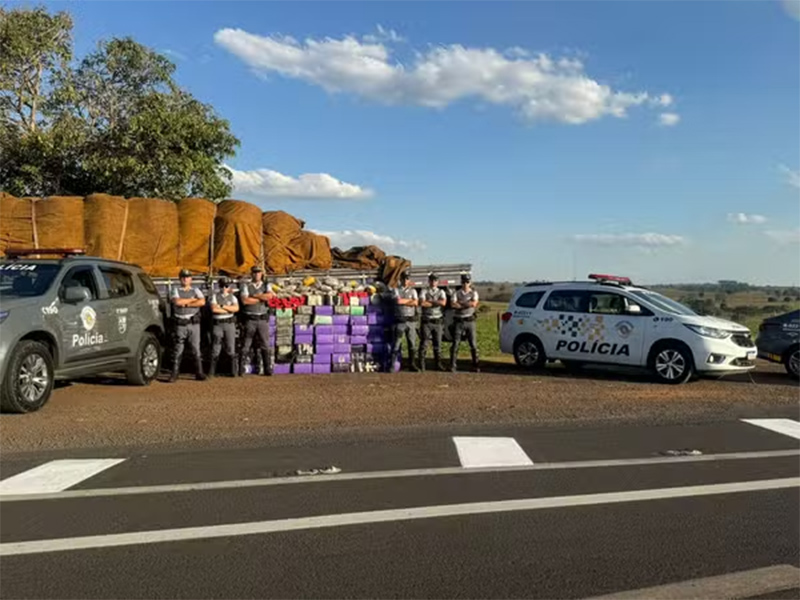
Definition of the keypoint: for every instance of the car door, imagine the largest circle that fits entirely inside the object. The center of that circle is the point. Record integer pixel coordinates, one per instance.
(563, 324)
(82, 326)
(124, 324)
(620, 324)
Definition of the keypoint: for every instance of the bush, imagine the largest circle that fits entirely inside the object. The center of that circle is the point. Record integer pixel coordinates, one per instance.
(772, 299)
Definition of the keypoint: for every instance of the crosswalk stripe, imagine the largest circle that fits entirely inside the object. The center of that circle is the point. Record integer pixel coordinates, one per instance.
(479, 452)
(55, 476)
(784, 426)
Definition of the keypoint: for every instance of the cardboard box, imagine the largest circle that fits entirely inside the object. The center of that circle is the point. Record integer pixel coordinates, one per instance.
(318, 368)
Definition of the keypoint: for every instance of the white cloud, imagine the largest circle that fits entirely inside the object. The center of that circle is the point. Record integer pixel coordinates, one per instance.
(383, 35)
(745, 219)
(347, 239)
(792, 177)
(539, 88)
(788, 236)
(266, 183)
(642, 240)
(173, 54)
(669, 119)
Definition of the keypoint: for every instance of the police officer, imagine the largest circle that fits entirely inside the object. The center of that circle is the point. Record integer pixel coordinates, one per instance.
(224, 306)
(255, 295)
(465, 304)
(432, 300)
(406, 301)
(187, 301)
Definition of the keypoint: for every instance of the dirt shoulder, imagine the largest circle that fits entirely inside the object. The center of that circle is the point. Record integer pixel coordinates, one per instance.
(106, 413)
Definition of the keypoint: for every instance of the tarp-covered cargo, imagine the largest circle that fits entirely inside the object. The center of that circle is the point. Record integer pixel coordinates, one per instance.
(237, 237)
(151, 236)
(196, 223)
(280, 232)
(358, 257)
(59, 222)
(105, 218)
(391, 269)
(313, 251)
(16, 222)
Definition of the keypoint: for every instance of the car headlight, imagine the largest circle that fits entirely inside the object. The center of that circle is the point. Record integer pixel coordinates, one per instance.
(3, 315)
(709, 332)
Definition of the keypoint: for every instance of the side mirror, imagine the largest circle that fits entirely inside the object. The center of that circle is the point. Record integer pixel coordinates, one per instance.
(634, 309)
(76, 294)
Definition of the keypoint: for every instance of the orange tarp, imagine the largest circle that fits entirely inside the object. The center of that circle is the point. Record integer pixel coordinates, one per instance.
(59, 222)
(151, 236)
(237, 237)
(196, 223)
(16, 222)
(105, 219)
(280, 231)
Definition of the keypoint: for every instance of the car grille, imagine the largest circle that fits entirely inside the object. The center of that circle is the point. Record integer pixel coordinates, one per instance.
(743, 339)
(743, 362)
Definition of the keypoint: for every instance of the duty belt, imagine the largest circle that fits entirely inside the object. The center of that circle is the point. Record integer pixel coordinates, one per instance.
(401, 319)
(432, 320)
(260, 317)
(193, 320)
(223, 318)
(464, 319)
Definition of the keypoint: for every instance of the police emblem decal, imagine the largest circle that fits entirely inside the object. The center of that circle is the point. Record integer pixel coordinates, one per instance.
(624, 328)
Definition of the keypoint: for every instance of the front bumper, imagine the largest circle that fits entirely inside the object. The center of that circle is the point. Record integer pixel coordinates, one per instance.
(723, 356)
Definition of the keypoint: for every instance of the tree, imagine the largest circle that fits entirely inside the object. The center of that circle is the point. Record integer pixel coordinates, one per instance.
(117, 123)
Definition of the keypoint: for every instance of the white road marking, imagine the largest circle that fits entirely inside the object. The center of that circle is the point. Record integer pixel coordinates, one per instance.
(383, 516)
(784, 426)
(742, 584)
(55, 476)
(480, 452)
(433, 472)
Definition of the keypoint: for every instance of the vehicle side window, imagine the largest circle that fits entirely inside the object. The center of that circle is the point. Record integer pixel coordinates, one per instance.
(119, 283)
(148, 284)
(605, 303)
(529, 299)
(80, 277)
(567, 301)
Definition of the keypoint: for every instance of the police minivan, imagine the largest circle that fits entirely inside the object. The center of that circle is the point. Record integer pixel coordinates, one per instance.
(608, 320)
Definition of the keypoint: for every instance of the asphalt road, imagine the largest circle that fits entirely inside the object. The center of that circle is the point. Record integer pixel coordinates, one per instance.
(583, 512)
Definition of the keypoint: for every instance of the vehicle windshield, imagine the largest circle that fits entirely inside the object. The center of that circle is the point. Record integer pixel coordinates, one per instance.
(25, 280)
(663, 303)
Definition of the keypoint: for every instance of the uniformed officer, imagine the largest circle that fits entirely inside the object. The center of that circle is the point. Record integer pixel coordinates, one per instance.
(224, 307)
(255, 296)
(465, 304)
(432, 300)
(187, 301)
(406, 301)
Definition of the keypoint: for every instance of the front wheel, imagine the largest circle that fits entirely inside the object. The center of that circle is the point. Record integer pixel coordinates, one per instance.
(29, 379)
(147, 362)
(672, 364)
(529, 353)
(792, 362)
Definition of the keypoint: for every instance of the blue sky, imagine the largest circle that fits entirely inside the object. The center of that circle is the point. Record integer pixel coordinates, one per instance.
(659, 140)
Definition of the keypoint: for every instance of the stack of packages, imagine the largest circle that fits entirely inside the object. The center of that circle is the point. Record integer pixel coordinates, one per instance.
(323, 339)
(304, 340)
(380, 318)
(284, 340)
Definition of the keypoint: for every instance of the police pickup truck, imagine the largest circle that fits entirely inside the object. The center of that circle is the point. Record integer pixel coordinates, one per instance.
(608, 320)
(72, 316)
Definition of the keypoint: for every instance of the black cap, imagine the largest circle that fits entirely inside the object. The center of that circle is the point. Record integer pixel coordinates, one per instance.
(224, 282)
(405, 276)
(466, 278)
(433, 277)
(185, 273)
(256, 269)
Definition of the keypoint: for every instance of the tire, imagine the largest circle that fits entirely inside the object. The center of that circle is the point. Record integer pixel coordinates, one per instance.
(147, 362)
(792, 362)
(529, 352)
(29, 379)
(672, 363)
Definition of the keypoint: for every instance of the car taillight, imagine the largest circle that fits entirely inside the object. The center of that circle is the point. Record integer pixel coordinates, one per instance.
(505, 317)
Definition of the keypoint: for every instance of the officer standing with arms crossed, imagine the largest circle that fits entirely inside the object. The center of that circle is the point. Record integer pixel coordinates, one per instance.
(224, 306)
(406, 302)
(465, 303)
(187, 301)
(433, 300)
(255, 295)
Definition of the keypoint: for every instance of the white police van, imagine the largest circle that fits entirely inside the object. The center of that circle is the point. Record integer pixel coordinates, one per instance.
(609, 320)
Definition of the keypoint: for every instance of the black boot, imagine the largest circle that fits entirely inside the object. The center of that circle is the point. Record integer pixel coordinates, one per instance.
(198, 369)
(476, 367)
(176, 369)
(437, 358)
(453, 359)
(421, 361)
(234, 365)
(266, 356)
(212, 368)
(242, 365)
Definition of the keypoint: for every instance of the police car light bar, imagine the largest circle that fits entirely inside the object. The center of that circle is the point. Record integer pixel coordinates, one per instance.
(614, 278)
(17, 252)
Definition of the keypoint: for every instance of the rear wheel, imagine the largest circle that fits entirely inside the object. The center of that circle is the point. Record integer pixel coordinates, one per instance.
(672, 363)
(529, 352)
(29, 379)
(147, 362)
(792, 362)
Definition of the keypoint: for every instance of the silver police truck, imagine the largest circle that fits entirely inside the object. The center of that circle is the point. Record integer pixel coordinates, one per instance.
(72, 316)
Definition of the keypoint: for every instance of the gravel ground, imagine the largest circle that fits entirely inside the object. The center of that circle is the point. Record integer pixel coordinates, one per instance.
(108, 413)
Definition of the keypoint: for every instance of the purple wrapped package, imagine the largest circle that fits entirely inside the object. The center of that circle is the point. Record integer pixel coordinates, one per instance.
(323, 310)
(376, 320)
(341, 319)
(341, 330)
(304, 338)
(341, 348)
(322, 359)
(323, 330)
(358, 339)
(323, 349)
(364, 301)
(300, 329)
(324, 339)
(302, 369)
(281, 368)
(358, 320)
(318, 368)
(359, 329)
(340, 359)
(341, 338)
(271, 321)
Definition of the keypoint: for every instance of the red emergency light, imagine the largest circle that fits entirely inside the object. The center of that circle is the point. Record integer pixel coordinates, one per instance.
(614, 278)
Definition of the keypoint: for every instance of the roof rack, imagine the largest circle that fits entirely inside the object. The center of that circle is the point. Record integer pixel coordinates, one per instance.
(20, 252)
